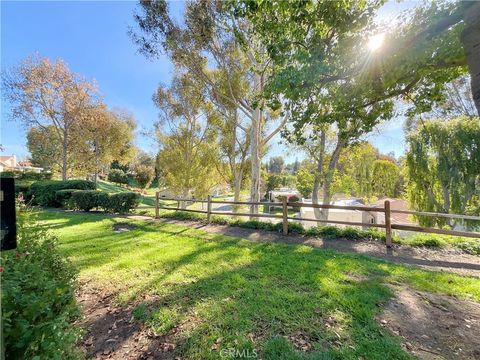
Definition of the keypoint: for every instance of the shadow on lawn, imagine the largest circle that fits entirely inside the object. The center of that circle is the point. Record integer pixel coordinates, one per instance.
(277, 299)
(289, 305)
(216, 293)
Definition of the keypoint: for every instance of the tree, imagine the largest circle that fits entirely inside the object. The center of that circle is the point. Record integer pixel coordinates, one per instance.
(44, 147)
(103, 137)
(443, 167)
(117, 176)
(46, 94)
(384, 177)
(276, 165)
(305, 181)
(357, 163)
(208, 41)
(188, 154)
(144, 175)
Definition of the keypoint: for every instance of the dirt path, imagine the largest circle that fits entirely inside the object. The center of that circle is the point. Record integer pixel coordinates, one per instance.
(113, 333)
(434, 326)
(449, 260)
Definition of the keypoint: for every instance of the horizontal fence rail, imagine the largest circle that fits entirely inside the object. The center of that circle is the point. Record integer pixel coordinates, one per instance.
(388, 226)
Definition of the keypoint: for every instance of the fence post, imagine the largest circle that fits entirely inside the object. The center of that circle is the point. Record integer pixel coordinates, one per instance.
(157, 205)
(285, 215)
(388, 225)
(209, 208)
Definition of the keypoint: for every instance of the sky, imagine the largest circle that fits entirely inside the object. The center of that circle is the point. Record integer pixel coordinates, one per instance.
(91, 37)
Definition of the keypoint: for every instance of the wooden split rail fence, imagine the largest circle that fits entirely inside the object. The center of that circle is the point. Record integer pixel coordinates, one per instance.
(386, 210)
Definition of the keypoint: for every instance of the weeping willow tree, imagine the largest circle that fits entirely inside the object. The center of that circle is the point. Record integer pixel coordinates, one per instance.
(443, 168)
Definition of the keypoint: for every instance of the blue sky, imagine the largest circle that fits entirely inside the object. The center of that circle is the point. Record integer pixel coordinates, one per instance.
(91, 37)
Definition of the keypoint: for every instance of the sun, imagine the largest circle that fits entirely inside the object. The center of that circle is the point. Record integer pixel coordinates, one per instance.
(376, 41)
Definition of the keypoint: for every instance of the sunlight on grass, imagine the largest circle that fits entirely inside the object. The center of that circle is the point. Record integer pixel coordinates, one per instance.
(251, 295)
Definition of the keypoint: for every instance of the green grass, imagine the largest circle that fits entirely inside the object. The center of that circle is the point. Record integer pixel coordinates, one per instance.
(227, 293)
(148, 200)
(469, 245)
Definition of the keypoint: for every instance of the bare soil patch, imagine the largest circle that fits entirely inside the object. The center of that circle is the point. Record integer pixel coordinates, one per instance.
(122, 227)
(434, 326)
(112, 333)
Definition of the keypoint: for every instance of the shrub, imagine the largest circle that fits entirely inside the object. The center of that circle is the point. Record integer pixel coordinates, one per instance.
(86, 200)
(117, 176)
(64, 197)
(121, 202)
(144, 175)
(38, 301)
(296, 228)
(43, 192)
(27, 175)
(9, 173)
(352, 233)
(184, 215)
(22, 188)
(471, 246)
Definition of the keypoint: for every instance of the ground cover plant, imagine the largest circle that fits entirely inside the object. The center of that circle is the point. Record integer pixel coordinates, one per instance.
(212, 292)
(38, 302)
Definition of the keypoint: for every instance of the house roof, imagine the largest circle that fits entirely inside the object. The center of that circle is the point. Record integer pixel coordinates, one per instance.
(6, 158)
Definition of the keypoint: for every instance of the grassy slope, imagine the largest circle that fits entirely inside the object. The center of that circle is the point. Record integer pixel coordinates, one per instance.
(111, 188)
(236, 290)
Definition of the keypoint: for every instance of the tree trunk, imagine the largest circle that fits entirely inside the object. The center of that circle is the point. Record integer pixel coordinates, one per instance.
(237, 188)
(327, 183)
(64, 154)
(317, 179)
(471, 44)
(183, 204)
(255, 151)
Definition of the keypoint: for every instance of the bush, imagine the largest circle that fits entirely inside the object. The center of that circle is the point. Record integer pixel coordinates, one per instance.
(144, 175)
(38, 301)
(27, 175)
(22, 188)
(353, 234)
(117, 176)
(43, 192)
(86, 200)
(296, 228)
(121, 202)
(64, 198)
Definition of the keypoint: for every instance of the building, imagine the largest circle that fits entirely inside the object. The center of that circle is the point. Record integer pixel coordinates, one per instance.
(9, 163)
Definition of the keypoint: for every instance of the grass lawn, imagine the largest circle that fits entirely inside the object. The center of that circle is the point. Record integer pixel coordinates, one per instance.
(225, 292)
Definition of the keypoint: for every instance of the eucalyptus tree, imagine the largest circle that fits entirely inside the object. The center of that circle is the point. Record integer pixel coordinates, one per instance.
(188, 151)
(443, 167)
(209, 39)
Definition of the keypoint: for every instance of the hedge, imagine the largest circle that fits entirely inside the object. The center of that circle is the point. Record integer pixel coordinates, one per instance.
(38, 299)
(64, 197)
(43, 192)
(122, 202)
(86, 200)
(27, 175)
